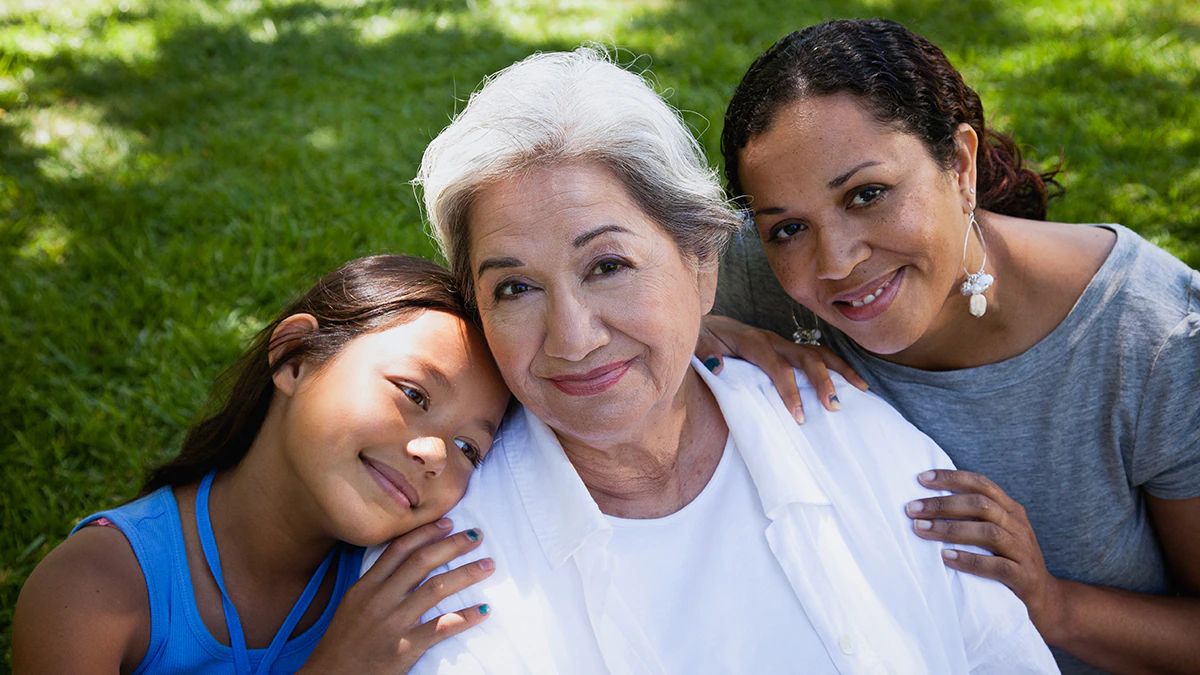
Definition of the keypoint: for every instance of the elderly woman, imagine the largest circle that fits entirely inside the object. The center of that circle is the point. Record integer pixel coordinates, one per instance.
(644, 515)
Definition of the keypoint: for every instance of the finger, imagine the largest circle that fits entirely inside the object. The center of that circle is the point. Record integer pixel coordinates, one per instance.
(403, 546)
(448, 625)
(839, 366)
(709, 350)
(997, 568)
(969, 506)
(423, 561)
(783, 376)
(818, 375)
(966, 481)
(987, 536)
(437, 588)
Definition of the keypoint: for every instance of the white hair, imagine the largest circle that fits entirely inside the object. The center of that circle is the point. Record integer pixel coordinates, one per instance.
(566, 108)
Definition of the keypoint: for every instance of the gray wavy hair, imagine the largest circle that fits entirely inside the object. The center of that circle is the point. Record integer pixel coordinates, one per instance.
(566, 108)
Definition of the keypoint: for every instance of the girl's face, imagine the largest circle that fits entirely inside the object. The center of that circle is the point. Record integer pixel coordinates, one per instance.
(859, 223)
(385, 435)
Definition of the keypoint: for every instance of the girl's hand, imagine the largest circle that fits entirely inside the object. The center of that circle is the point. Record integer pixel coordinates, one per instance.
(721, 336)
(981, 514)
(377, 629)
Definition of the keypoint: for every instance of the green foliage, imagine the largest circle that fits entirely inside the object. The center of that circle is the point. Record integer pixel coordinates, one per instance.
(171, 171)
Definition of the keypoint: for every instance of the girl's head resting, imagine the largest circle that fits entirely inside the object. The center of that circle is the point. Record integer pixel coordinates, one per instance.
(374, 393)
(904, 82)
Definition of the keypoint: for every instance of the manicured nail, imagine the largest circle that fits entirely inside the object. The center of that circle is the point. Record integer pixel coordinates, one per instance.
(487, 564)
(444, 523)
(915, 507)
(834, 403)
(927, 476)
(711, 363)
(484, 609)
(923, 524)
(798, 414)
(473, 534)
(950, 554)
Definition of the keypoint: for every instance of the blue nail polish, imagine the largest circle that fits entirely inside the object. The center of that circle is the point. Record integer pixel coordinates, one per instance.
(472, 534)
(834, 399)
(484, 609)
(711, 363)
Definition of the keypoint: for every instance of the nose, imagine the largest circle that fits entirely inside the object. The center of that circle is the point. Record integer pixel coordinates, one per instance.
(573, 330)
(840, 248)
(429, 453)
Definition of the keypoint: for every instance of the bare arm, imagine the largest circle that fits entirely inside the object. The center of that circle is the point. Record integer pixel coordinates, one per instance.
(1116, 630)
(84, 610)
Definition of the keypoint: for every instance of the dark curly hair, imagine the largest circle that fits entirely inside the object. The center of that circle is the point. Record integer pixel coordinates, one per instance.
(905, 82)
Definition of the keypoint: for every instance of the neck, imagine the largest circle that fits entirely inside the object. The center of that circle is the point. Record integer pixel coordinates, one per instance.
(659, 466)
(266, 527)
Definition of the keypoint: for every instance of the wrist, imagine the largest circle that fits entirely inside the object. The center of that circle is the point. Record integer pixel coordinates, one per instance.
(1056, 621)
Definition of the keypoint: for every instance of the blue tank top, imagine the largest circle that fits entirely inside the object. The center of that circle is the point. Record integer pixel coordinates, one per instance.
(179, 641)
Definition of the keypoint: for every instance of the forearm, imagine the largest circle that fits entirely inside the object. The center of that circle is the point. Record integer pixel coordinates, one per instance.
(1126, 632)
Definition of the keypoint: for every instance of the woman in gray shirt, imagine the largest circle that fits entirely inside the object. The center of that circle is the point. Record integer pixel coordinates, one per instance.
(1058, 365)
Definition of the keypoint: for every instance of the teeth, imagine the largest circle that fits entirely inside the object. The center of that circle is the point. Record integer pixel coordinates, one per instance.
(870, 297)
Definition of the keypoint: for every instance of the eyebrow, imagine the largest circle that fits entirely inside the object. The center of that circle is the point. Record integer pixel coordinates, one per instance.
(841, 180)
(434, 373)
(583, 239)
(497, 264)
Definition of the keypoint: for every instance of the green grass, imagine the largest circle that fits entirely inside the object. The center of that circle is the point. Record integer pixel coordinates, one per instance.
(172, 170)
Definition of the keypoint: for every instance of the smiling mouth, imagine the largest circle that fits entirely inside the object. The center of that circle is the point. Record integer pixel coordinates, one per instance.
(873, 295)
(595, 381)
(393, 483)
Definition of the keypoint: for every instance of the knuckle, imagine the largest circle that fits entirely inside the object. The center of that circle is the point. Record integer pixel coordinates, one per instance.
(992, 535)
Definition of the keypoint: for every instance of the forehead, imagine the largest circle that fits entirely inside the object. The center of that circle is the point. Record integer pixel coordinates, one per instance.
(824, 132)
(550, 204)
(432, 335)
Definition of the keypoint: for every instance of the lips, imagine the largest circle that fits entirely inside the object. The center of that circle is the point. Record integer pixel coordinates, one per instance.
(393, 483)
(870, 300)
(595, 381)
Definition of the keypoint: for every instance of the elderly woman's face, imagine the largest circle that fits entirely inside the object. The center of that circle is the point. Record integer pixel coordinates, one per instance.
(588, 305)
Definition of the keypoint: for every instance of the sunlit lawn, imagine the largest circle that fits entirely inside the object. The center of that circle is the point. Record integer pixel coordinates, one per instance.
(171, 170)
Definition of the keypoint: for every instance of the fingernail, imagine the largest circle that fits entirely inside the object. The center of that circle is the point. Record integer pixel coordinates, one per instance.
(915, 507)
(711, 363)
(950, 554)
(927, 476)
(444, 523)
(798, 413)
(484, 609)
(473, 534)
(834, 403)
(923, 524)
(487, 564)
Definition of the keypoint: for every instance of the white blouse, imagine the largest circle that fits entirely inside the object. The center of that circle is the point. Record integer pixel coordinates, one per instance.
(833, 492)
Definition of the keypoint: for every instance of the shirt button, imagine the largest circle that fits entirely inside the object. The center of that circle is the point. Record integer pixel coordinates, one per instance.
(846, 644)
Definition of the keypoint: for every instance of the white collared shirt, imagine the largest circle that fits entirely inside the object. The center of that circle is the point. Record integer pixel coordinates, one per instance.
(834, 490)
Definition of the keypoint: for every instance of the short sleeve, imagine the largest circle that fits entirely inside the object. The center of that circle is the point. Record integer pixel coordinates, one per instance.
(1167, 447)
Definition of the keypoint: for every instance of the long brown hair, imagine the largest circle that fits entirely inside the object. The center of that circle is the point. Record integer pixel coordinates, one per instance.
(362, 296)
(905, 81)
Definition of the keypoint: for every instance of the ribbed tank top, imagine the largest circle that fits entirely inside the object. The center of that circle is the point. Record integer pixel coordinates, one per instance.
(179, 641)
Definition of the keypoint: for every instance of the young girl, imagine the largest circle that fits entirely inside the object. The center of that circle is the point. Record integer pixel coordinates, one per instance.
(355, 417)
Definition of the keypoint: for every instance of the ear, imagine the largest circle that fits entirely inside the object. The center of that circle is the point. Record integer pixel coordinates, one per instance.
(706, 281)
(966, 149)
(292, 328)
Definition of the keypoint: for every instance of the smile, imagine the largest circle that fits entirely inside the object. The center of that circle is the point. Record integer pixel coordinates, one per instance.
(393, 483)
(595, 381)
(869, 302)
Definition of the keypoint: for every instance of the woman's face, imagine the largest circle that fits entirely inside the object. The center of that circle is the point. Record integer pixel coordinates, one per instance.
(588, 305)
(386, 435)
(859, 223)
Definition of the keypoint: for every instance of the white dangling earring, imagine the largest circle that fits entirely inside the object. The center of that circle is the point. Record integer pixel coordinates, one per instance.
(980, 281)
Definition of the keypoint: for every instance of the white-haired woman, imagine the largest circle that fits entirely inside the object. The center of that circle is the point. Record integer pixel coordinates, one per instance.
(646, 516)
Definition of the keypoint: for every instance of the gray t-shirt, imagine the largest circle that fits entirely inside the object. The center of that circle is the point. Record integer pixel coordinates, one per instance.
(1075, 428)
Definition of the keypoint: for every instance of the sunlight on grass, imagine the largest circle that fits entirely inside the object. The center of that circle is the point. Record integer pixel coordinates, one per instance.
(48, 243)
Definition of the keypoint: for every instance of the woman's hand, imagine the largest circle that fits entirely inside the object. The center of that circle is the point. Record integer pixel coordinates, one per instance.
(721, 336)
(981, 514)
(377, 629)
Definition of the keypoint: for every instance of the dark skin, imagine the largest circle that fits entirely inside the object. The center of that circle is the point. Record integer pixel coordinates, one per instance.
(1044, 267)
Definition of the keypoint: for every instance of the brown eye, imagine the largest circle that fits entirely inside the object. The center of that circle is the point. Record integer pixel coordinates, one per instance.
(469, 451)
(866, 195)
(415, 395)
(787, 230)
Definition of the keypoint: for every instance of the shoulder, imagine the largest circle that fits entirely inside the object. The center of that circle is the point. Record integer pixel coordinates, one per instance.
(84, 608)
(1151, 283)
